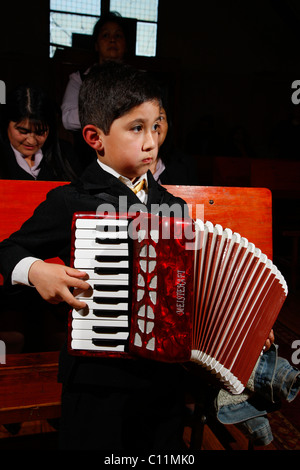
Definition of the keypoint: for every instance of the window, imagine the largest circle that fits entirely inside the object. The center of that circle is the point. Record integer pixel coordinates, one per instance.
(145, 11)
(71, 16)
(76, 16)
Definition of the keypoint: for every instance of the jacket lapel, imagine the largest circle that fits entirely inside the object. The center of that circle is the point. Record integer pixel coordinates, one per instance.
(105, 186)
(108, 188)
(155, 192)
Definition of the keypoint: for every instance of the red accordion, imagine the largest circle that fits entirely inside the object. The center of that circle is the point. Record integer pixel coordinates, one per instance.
(173, 290)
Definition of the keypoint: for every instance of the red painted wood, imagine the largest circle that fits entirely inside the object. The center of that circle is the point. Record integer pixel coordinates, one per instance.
(247, 211)
(18, 199)
(244, 210)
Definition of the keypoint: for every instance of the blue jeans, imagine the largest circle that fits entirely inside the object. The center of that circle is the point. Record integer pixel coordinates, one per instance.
(275, 379)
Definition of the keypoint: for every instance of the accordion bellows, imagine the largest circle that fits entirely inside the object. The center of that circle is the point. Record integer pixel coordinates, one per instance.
(238, 295)
(174, 290)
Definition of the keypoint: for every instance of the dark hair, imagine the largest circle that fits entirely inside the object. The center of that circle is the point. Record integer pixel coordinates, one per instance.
(112, 16)
(111, 90)
(32, 103)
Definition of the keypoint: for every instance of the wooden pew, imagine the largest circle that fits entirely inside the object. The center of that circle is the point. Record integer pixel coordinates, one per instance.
(28, 385)
(29, 390)
(28, 382)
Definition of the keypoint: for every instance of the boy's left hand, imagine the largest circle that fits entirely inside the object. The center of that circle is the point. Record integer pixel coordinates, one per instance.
(269, 341)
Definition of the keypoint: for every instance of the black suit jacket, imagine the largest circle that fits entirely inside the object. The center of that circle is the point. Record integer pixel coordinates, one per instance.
(47, 234)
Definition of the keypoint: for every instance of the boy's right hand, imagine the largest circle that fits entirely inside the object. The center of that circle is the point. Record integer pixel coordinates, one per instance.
(54, 281)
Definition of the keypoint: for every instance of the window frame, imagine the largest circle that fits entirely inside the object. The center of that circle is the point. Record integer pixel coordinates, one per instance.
(104, 9)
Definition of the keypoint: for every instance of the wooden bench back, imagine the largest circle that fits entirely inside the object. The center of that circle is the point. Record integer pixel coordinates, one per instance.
(244, 210)
(18, 199)
(247, 211)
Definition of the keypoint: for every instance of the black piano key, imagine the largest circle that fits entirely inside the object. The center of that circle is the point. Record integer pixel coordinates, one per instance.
(111, 228)
(106, 270)
(110, 301)
(110, 329)
(110, 241)
(110, 287)
(109, 342)
(110, 259)
(108, 313)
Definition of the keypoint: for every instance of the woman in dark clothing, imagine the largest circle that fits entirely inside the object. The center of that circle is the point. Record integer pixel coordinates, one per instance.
(29, 144)
(30, 150)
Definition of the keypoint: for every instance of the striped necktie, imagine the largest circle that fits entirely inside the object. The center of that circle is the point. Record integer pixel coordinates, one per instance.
(138, 187)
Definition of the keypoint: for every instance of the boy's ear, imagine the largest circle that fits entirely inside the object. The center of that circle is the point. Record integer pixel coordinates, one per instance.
(92, 136)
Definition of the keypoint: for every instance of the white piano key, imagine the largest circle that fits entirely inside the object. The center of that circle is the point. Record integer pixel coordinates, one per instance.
(87, 263)
(90, 334)
(93, 234)
(88, 345)
(90, 243)
(124, 277)
(94, 223)
(91, 305)
(88, 314)
(108, 282)
(104, 294)
(85, 324)
(89, 294)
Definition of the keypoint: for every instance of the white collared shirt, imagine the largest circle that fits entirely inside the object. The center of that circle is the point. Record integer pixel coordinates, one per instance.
(160, 167)
(33, 170)
(142, 195)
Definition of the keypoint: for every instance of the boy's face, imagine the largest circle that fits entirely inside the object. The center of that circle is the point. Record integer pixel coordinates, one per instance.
(132, 143)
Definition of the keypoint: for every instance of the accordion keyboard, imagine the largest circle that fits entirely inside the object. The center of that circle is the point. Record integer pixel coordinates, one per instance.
(139, 271)
(102, 250)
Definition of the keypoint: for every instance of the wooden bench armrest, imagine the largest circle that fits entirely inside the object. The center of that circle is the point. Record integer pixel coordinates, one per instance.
(28, 387)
